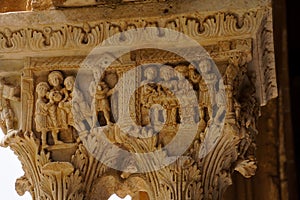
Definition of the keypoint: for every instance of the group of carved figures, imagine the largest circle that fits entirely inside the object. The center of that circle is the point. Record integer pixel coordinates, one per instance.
(180, 83)
(216, 94)
(59, 105)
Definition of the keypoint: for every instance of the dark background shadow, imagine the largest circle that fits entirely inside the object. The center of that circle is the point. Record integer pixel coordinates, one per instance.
(293, 39)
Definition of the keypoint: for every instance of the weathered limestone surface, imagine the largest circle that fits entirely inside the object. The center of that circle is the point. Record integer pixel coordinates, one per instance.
(60, 125)
(11, 5)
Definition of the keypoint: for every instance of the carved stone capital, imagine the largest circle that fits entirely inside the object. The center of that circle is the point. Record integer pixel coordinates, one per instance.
(64, 127)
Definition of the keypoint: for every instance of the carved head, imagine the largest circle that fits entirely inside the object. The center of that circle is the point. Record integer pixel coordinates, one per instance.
(205, 66)
(69, 83)
(166, 73)
(55, 96)
(55, 78)
(150, 73)
(42, 88)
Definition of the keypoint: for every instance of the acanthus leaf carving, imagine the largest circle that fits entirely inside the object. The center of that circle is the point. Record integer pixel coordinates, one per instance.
(247, 168)
(79, 171)
(68, 183)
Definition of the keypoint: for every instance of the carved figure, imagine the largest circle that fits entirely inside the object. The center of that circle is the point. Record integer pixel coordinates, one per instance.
(66, 103)
(231, 72)
(41, 117)
(221, 104)
(7, 116)
(169, 101)
(206, 84)
(148, 94)
(55, 79)
(100, 93)
(81, 111)
(184, 92)
(102, 104)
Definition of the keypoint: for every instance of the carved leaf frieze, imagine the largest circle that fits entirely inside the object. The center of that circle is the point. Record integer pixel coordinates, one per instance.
(90, 35)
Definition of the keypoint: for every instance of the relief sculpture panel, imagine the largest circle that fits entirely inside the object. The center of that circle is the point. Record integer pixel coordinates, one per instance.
(80, 120)
(88, 128)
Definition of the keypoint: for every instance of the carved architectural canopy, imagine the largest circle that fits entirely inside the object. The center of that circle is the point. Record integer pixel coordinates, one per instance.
(61, 112)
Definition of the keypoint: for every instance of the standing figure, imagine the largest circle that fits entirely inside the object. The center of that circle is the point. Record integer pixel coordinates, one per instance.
(74, 108)
(148, 94)
(100, 93)
(206, 84)
(221, 104)
(169, 100)
(41, 117)
(231, 73)
(102, 103)
(65, 105)
(187, 104)
(55, 79)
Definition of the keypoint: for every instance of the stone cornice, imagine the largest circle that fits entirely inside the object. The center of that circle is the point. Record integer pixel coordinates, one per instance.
(74, 34)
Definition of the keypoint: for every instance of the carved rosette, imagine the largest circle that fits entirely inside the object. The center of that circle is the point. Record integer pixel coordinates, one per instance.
(52, 137)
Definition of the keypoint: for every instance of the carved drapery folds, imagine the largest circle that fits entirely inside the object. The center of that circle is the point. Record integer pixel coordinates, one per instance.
(64, 133)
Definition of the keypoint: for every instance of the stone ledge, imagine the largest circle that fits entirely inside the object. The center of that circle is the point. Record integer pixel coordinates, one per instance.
(160, 9)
